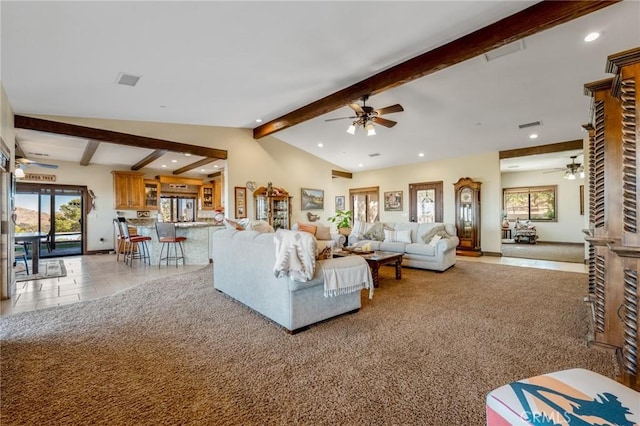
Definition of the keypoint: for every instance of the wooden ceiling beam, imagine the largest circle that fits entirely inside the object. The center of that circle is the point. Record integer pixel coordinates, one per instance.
(542, 149)
(149, 159)
(539, 17)
(89, 150)
(192, 166)
(32, 123)
(340, 173)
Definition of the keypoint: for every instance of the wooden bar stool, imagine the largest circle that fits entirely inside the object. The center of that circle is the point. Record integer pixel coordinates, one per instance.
(167, 236)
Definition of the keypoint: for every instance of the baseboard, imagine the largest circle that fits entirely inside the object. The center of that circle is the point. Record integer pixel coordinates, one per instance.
(106, 251)
(492, 253)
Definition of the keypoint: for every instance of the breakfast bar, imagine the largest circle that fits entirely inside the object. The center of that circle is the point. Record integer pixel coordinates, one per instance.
(197, 247)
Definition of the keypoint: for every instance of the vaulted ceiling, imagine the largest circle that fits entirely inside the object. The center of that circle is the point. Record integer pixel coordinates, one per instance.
(231, 63)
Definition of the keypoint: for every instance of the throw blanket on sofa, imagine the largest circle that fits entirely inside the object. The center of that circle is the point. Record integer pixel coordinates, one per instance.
(295, 255)
(346, 277)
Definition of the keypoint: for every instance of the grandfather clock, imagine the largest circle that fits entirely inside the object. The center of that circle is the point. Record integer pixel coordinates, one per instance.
(467, 194)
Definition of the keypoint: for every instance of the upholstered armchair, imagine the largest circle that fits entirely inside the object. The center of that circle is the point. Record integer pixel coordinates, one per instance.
(524, 231)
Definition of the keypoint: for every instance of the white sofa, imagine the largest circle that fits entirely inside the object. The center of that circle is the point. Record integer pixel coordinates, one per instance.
(323, 234)
(243, 268)
(417, 253)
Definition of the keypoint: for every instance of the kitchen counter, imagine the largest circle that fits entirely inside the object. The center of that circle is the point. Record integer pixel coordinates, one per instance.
(197, 247)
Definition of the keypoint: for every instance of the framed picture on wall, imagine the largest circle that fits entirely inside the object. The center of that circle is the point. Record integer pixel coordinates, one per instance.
(312, 199)
(393, 201)
(241, 202)
(340, 203)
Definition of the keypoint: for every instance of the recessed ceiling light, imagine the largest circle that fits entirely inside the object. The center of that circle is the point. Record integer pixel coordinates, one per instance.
(360, 165)
(202, 170)
(215, 166)
(164, 165)
(533, 136)
(320, 145)
(421, 154)
(187, 154)
(174, 161)
(259, 120)
(591, 37)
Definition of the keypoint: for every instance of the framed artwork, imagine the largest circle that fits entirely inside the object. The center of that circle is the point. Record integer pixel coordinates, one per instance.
(393, 201)
(582, 200)
(340, 202)
(241, 202)
(312, 199)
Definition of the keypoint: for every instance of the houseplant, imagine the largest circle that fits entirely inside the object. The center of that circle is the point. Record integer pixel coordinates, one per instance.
(342, 219)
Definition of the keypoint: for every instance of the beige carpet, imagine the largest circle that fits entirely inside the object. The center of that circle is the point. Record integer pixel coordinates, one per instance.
(559, 252)
(49, 268)
(425, 351)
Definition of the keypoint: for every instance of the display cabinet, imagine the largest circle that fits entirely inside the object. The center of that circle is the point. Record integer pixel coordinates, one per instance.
(467, 195)
(273, 205)
(128, 189)
(151, 194)
(207, 197)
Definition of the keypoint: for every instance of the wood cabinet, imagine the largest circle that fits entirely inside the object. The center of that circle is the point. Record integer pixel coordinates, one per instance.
(151, 194)
(207, 200)
(467, 195)
(273, 205)
(128, 189)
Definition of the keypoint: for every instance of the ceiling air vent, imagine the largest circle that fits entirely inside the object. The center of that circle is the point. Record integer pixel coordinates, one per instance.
(532, 124)
(505, 50)
(375, 154)
(127, 79)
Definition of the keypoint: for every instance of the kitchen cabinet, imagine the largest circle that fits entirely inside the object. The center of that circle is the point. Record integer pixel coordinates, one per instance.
(207, 197)
(151, 194)
(273, 205)
(128, 189)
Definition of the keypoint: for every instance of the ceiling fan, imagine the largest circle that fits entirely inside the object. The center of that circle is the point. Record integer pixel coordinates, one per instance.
(23, 163)
(366, 116)
(572, 169)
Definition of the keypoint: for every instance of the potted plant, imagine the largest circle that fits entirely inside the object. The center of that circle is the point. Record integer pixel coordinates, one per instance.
(342, 219)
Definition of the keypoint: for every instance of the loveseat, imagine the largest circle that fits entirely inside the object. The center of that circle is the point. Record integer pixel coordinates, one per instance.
(424, 245)
(243, 268)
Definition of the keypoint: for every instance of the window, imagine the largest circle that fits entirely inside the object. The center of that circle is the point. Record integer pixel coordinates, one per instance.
(364, 203)
(536, 203)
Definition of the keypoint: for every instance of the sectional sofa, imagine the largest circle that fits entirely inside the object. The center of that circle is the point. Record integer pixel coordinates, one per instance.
(243, 268)
(417, 241)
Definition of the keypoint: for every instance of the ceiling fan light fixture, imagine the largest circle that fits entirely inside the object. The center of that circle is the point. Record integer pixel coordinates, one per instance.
(19, 172)
(352, 129)
(371, 129)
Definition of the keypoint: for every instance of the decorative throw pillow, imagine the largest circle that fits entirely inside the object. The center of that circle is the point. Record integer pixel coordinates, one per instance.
(305, 227)
(435, 240)
(323, 232)
(433, 231)
(230, 224)
(403, 236)
(360, 228)
(376, 232)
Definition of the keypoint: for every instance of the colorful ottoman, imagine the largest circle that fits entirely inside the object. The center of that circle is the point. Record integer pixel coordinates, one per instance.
(569, 398)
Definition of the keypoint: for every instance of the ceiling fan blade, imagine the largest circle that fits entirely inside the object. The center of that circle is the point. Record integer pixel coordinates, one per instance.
(554, 171)
(340, 118)
(390, 109)
(46, 166)
(357, 108)
(384, 122)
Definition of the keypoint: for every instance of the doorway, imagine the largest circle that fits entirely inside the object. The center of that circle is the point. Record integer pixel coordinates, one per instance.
(55, 210)
(425, 202)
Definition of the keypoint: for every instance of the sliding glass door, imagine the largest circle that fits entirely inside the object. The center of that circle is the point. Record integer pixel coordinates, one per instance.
(54, 210)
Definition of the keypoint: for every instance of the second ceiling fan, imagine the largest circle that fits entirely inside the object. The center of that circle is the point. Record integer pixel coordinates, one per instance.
(366, 116)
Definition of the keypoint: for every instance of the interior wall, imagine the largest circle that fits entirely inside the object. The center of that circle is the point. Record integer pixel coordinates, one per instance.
(570, 222)
(484, 168)
(7, 132)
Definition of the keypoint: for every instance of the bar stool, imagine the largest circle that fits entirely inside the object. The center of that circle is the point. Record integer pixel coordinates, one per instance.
(119, 238)
(167, 235)
(135, 246)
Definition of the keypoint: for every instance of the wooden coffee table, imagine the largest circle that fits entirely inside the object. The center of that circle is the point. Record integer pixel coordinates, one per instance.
(377, 259)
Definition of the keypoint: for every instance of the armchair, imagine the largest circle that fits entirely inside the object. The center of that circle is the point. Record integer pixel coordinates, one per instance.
(524, 231)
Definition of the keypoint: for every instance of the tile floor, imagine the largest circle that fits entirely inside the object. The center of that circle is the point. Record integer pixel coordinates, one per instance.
(91, 277)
